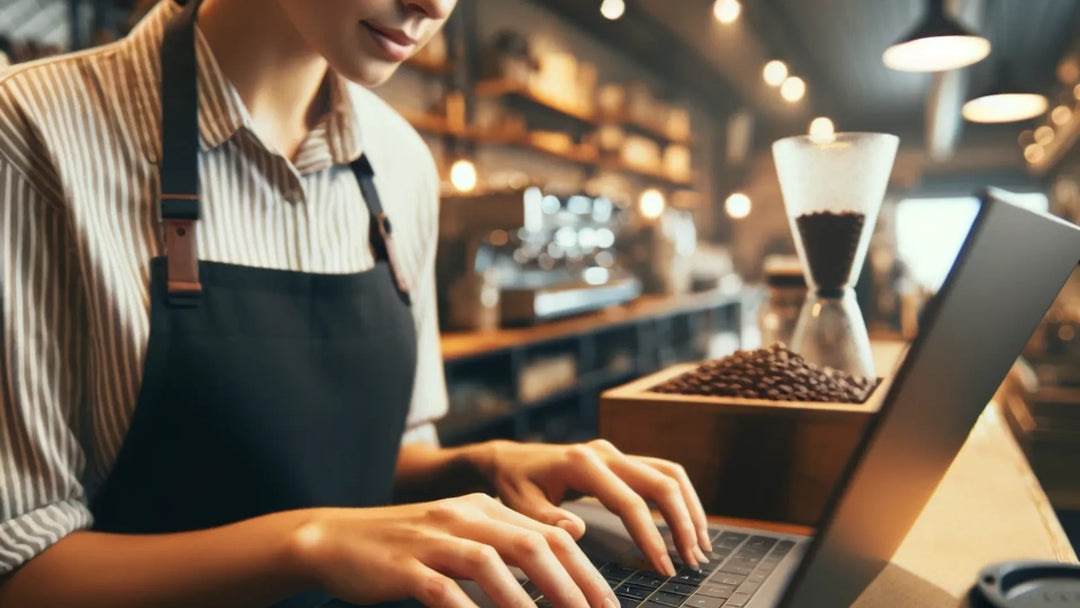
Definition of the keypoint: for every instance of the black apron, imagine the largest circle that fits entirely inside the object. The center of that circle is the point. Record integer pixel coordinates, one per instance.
(263, 390)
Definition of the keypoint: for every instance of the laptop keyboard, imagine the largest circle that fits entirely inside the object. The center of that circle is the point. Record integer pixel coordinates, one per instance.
(738, 566)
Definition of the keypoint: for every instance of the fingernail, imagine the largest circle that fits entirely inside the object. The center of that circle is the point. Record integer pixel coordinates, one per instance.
(609, 603)
(567, 525)
(706, 544)
(702, 558)
(669, 566)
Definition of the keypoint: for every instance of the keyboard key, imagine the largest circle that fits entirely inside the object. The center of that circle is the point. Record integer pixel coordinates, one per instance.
(625, 602)
(758, 577)
(730, 539)
(738, 600)
(719, 555)
(749, 586)
(688, 576)
(668, 599)
(723, 578)
(633, 591)
(714, 590)
(704, 601)
(618, 571)
(613, 582)
(736, 569)
(783, 547)
(647, 579)
(680, 588)
(531, 589)
(761, 541)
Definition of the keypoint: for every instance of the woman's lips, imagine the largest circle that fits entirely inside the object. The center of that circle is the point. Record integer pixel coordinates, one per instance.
(395, 45)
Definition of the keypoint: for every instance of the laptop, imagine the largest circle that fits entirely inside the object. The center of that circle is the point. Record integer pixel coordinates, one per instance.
(1008, 272)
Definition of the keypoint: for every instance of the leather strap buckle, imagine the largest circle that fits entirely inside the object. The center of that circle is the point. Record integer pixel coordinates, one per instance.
(182, 261)
(385, 231)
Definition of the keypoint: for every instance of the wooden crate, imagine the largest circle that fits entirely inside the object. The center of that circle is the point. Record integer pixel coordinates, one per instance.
(759, 459)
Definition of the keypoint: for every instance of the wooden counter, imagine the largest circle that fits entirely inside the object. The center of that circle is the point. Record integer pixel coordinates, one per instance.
(459, 345)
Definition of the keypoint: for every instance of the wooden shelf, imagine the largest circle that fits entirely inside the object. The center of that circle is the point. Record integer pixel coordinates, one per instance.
(652, 132)
(509, 88)
(423, 64)
(462, 345)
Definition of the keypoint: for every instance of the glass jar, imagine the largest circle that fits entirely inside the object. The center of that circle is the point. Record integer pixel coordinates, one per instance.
(779, 313)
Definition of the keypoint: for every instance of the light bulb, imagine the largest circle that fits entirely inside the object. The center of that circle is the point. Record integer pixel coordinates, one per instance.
(652, 203)
(793, 89)
(463, 175)
(727, 11)
(774, 73)
(612, 9)
(1044, 135)
(1034, 153)
(822, 130)
(1061, 115)
(737, 205)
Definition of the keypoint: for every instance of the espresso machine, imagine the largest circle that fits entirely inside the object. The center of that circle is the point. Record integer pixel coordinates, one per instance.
(520, 257)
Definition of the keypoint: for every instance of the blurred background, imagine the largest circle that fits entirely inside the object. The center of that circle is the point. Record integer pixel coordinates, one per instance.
(610, 202)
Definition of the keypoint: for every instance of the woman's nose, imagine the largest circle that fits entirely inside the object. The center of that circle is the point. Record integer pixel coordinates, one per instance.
(432, 9)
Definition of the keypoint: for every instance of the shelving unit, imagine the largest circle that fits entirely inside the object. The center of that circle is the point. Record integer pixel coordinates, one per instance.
(515, 90)
(609, 348)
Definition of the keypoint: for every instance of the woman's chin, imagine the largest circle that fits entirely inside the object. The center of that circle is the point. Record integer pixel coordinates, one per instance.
(368, 72)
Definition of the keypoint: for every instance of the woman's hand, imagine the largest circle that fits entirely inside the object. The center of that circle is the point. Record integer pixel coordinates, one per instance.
(368, 556)
(535, 478)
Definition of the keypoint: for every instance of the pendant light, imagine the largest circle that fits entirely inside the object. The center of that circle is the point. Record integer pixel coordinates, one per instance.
(937, 43)
(1004, 102)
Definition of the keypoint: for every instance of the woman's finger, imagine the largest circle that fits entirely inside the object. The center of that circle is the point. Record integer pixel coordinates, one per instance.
(437, 590)
(588, 473)
(668, 497)
(562, 543)
(469, 559)
(693, 501)
(527, 498)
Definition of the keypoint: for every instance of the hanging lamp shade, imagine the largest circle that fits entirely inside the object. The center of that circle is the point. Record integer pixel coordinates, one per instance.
(1004, 101)
(937, 43)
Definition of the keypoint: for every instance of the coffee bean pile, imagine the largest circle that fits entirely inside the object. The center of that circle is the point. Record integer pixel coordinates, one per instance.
(773, 373)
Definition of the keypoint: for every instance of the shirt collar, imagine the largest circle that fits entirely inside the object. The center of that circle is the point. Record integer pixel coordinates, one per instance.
(221, 111)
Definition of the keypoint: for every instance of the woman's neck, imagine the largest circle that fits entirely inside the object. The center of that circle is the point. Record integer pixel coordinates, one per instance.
(276, 74)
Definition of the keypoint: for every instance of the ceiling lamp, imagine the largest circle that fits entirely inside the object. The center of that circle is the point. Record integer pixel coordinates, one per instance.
(726, 11)
(612, 9)
(793, 89)
(1004, 102)
(774, 73)
(937, 43)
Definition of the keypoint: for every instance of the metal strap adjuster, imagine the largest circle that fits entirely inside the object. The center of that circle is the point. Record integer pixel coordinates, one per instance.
(182, 261)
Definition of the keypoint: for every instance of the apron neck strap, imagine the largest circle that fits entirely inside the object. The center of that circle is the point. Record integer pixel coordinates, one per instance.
(380, 231)
(180, 155)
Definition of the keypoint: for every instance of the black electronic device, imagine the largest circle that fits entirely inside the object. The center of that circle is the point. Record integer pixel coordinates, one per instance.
(1027, 584)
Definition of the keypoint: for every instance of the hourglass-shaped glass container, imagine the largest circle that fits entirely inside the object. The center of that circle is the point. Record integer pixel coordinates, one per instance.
(832, 188)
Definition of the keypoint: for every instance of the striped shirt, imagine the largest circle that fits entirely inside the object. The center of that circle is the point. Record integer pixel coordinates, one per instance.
(79, 148)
